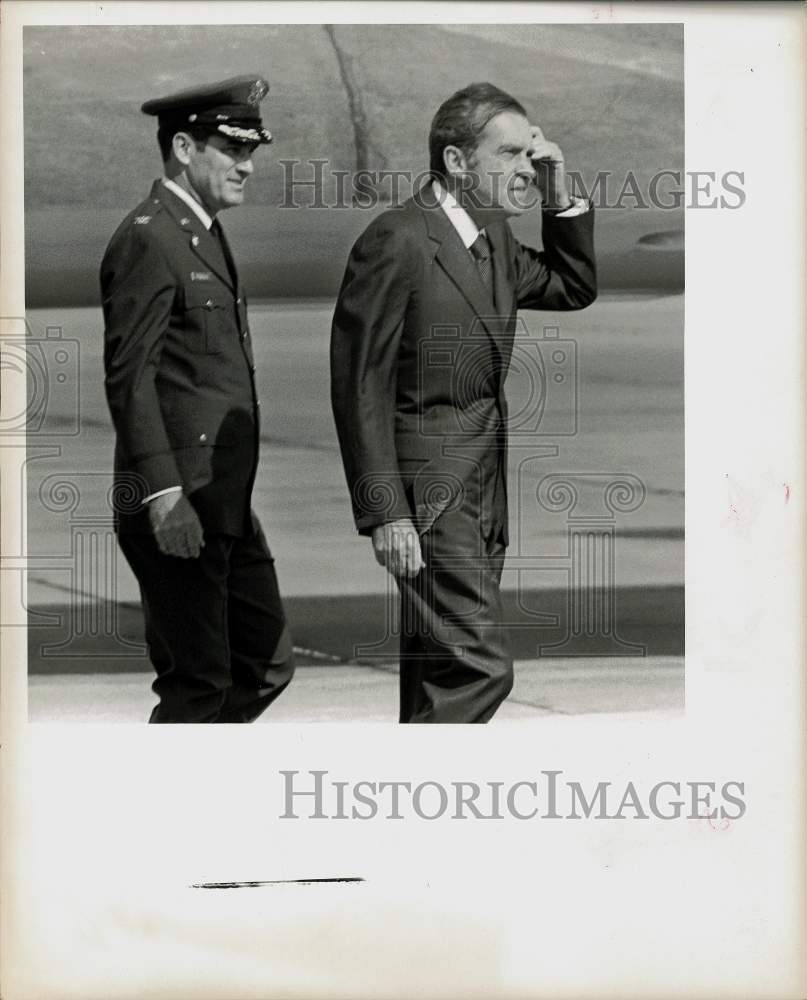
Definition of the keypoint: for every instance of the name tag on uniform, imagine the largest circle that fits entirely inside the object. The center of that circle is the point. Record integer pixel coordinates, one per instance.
(201, 276)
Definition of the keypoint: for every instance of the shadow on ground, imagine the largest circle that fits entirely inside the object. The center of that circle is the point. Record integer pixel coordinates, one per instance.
(361, 629)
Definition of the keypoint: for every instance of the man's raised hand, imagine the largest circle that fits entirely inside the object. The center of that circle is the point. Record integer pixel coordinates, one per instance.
(550, 168)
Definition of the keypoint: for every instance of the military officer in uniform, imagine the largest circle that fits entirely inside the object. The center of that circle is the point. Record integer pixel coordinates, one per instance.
(180, 383)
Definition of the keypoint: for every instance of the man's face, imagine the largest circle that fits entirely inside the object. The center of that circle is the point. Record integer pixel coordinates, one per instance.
(217, 171)
(504, 174)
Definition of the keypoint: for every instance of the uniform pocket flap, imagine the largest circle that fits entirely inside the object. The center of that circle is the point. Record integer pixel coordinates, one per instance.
(205, 297)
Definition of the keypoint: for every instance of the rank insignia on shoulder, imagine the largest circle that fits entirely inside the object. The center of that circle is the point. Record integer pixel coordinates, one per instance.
(142, 220)
(201, 276)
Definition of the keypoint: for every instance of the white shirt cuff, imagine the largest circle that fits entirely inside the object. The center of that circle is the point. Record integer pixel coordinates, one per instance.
(577, 207)
(159, 493)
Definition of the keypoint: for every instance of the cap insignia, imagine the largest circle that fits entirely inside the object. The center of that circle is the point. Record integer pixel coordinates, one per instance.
(258, 91)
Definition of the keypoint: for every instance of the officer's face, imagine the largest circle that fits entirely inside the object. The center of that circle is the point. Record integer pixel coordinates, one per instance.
(217, 171)
(499, 176)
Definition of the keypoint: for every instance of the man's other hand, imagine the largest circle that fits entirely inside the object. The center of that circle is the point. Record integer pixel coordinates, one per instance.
(397, 547)
(176, 526)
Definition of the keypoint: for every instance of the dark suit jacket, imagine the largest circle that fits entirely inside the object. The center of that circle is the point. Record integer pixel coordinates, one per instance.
(419, 351)
(179, 370)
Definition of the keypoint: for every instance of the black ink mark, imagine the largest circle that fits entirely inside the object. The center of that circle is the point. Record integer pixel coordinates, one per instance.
(279, 881)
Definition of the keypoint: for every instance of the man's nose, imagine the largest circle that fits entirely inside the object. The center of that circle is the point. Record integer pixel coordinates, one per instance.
(245, 166)
(526, 164)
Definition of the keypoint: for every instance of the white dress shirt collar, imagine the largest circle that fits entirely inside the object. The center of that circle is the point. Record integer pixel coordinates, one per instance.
(457, 216)
(465, 225)
(190, 201)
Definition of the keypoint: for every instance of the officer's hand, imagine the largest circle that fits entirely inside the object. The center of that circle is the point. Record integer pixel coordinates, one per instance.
(397, 547)
(176, 526)
(550, 170)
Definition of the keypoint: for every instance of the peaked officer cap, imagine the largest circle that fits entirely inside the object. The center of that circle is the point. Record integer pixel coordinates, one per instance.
(231, 107)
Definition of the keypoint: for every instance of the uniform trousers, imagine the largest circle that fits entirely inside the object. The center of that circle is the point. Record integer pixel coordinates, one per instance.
(215, 627)
(455, 663)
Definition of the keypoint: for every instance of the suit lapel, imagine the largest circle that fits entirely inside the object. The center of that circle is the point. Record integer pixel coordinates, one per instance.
(201, 242)
(457, 262)
(460, 266)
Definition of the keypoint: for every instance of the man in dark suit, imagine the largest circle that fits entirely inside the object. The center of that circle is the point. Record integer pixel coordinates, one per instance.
(421, 341)
(180, 382)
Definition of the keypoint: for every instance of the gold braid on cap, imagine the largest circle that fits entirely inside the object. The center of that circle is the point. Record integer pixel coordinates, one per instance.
(247, 134)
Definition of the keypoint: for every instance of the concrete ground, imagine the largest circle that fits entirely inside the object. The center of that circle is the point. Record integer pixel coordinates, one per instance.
(353, 693)
(624, 417)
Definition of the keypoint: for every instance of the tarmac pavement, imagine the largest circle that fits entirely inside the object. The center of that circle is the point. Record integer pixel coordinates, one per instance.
(86, 660)
(352, 693)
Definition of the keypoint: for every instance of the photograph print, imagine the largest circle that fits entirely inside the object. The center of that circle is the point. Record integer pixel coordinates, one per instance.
(354, 394)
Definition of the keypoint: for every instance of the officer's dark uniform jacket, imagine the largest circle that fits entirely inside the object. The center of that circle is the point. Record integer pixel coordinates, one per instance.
(180, 376)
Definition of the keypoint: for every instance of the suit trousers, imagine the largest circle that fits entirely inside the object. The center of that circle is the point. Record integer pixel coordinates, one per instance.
(455, 664)
(215, 627)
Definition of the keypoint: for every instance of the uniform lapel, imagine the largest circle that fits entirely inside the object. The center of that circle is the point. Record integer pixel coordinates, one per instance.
(200, 241)
(228, 258)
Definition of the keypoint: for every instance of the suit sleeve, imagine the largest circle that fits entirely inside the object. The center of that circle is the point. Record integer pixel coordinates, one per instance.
(563, 275)
(137, 288)
(365, 340)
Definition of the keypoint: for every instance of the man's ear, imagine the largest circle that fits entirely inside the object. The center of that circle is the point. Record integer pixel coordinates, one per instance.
(183, 144)
(454, 160)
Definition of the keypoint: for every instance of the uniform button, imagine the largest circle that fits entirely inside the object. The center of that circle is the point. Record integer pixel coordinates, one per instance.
(203, 438)
(238, 301)
(252, 369)
(209, 304)
(194, 241)
(258, 403)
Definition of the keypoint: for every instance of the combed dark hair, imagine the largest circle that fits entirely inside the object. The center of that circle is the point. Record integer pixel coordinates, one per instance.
(462, 118)
(168, 129)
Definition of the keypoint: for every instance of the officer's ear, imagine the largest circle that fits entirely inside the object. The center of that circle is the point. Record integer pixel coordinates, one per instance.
(183, 145)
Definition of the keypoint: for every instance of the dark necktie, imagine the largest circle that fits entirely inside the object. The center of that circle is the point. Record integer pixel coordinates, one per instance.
(480, 250)
(218, 235)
